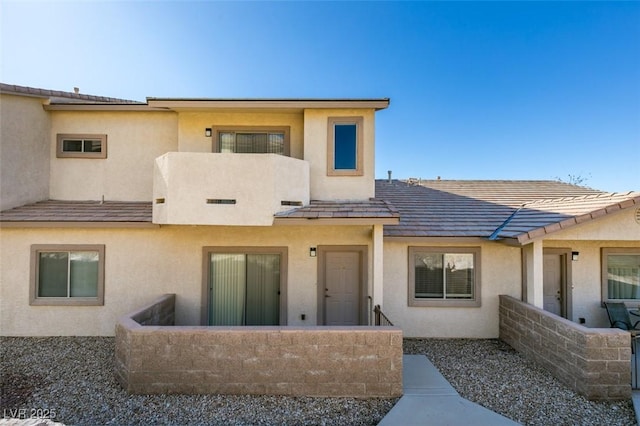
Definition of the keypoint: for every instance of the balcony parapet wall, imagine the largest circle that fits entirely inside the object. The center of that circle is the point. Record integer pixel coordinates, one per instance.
(361, 362)
(595, 362)
(199, 188)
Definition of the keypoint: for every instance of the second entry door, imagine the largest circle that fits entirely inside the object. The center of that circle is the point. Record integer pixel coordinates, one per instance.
(341, 287)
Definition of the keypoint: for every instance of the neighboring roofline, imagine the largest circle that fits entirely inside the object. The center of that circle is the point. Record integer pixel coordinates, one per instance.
(103, 107)
(273, 103)
(53, 95)
(72, 224)
(57, 100)
(542, 232)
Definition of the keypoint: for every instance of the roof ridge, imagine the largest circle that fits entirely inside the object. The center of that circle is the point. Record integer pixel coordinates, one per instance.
(601, 195)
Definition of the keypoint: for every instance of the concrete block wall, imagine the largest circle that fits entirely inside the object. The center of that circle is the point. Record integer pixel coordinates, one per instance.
(595, 362)
(361, 362)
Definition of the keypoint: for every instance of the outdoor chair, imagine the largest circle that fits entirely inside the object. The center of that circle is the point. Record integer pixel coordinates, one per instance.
(619, 317)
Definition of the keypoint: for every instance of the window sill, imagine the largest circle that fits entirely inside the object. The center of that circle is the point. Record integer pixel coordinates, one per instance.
(435, 303)
(65, 301)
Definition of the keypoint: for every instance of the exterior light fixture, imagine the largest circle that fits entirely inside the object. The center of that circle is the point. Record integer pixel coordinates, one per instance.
(312, 252)
(207, 132)
(575, 255)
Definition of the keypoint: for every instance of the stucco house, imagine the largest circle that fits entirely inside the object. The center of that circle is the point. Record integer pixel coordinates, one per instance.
(267, 212)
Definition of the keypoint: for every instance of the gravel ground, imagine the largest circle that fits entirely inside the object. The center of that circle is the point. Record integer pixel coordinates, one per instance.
(492, 374)
(72, 378)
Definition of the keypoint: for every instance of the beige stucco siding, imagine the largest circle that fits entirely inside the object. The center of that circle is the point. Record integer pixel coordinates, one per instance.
(134, 141)
(500, 274)
(615, 226)
(141, 264)
(325, 187)
(192, 127)
(586, 277)
(24, 151)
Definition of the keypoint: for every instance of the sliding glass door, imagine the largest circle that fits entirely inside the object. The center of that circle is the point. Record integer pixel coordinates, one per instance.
(244, 288)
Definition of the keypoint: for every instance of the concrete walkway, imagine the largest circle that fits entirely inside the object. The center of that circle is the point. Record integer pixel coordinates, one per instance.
(430, 399)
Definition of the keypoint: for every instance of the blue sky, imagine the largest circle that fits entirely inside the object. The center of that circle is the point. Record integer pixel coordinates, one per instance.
(496, 90)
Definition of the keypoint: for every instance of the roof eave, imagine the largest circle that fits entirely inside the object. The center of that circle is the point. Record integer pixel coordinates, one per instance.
(102, 107)
(306, 221)
(293, 104)
(76, 224)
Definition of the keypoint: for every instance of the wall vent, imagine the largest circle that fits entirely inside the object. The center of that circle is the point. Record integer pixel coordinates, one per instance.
(291, 203)
(159, 200)
(220, 201)
(638, 216)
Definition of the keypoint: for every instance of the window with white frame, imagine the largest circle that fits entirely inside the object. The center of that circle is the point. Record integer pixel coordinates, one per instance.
(67, 275)
(621, 274)
(252, 140)
(444, 276)
(81, 146)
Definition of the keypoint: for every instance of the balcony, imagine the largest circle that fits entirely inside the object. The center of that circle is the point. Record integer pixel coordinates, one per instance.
(192, 188)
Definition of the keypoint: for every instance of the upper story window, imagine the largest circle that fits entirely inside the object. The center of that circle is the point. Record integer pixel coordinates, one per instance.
(345, 145)
(621, 274)
(444, 276)
(67, 275)
(81, 146)
(252, 140)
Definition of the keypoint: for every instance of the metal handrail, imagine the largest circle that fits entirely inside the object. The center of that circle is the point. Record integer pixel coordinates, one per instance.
(380, 317)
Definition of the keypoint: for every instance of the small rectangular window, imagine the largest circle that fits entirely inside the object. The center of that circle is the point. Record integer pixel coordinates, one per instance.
(621, 274)
(67, 275)
(444, 276)
(81, 146)
(344, 147)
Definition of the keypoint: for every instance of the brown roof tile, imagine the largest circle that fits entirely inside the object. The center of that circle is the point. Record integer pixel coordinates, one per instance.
(80, 211)
(371, 209)
(521, 210)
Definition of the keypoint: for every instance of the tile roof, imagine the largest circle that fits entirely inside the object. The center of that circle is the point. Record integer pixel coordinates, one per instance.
(58, 96)
(520, 210)
(371, 209)
(542, 217)
(79, 211)
(508, 192)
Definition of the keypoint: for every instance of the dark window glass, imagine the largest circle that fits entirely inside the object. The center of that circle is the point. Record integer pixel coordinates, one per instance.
(72, 145)
(345, 147)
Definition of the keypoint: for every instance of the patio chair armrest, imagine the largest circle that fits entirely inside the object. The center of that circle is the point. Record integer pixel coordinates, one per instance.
(635, 313)
(620, 324)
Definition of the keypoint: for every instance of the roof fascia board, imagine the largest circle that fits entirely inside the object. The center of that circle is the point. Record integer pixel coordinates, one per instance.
(544, 231)
(334, 221)
(28, 224)
(377, 104)
(26, 95)
(439, 240)
(104, 107)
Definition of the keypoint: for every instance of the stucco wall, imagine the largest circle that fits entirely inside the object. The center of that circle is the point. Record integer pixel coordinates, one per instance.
(192, 125)
(325, 187)
(619, 230)
(24, 151)
(258, 183)
(500, 274)
(134, 140)
(144, 263)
